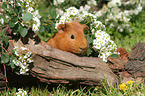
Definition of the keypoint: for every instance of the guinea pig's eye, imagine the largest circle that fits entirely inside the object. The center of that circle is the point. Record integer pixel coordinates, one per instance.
(72, 37)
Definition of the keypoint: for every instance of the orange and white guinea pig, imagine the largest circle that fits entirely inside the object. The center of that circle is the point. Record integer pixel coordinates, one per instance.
(70, 37)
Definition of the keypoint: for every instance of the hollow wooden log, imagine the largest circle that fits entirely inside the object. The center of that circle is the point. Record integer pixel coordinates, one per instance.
(56, 66)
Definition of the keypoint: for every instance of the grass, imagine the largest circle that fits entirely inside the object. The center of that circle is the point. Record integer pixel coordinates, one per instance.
(61, 90)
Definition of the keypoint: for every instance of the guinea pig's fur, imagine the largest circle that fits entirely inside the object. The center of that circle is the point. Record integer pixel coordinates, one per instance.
(70, 37)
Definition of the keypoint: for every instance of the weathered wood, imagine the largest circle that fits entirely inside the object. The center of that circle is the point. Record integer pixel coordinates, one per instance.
(55, 66)
(136, 63)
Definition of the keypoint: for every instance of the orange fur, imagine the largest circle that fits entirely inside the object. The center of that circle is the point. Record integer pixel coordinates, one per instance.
(63, 41)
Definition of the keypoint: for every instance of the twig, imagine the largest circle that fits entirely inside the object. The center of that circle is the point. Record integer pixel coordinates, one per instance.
(3, 48)
(6, 77)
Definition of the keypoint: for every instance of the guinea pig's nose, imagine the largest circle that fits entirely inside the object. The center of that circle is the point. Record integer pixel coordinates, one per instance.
(83, 47)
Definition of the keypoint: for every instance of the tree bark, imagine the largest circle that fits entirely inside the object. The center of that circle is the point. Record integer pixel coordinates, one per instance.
(56, 66)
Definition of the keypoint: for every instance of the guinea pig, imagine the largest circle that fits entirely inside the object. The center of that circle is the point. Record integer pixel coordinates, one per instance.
(70, 37)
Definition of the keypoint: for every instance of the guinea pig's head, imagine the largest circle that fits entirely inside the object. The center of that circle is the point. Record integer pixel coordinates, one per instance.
(71, 38)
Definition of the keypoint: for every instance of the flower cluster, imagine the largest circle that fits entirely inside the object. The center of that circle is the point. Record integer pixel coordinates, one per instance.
(21, 92)
(117, 18)
(22, 60)
(27, 6)
(81, 15)
(102, 42)
(104, 45)
(30, 7)
(126, 86)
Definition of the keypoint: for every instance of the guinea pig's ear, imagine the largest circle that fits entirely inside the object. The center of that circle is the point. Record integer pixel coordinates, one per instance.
(62, 27)
(85, 27)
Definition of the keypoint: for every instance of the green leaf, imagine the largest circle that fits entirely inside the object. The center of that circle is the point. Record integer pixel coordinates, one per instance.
(23, 31)
(12, 51)
(16, 28)
(5, 58)
(89, 52)
(2, 33)
(41, 28)
(1, 49)
(114, 55)
(4, 5)
(11, 62)
(90, 40)
(52, 13)
(12, 24)
(52, 25)
(5, 40)
(13, 90)
(13, 21)
(27, 17)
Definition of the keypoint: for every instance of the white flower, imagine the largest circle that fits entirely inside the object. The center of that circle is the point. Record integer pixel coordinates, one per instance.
(103, 56)
(98, 46)
(59, 11)
(114, 3)
(130, 30)
(74, 12)
(27, 5)
(98, 23)
(23, 71)
(25, 56)
(28, 53)
(86, 7)
(35, 28)
(81, 8)
(112, 25)
(139, 8)
(56, 2)
(23, 48)
(30, 9)
(18, 63)
(7, 17)
(29, 60)
(16, 53)
(2, 21)
(36, 19)
(92, 2)
(125, 19)
(22, 65)
(98, 13)
(121, 30)
(136, 11)
(21, 92)
(63, 19)
(36, 14)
